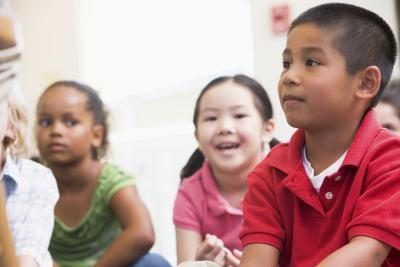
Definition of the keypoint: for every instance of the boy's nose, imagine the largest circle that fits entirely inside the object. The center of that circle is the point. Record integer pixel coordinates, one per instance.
(291, 77)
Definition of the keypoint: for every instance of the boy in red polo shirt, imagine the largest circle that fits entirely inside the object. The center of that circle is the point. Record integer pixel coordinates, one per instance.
(331, 196)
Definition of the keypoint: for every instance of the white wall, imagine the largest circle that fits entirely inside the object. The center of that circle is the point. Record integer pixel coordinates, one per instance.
(50, 43)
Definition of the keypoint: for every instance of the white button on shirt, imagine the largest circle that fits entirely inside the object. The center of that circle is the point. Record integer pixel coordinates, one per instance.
(329, 195)
(338, 178)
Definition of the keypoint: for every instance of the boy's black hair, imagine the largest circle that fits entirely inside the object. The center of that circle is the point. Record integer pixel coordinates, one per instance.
(95, 106)
(361, 36)
(391, 95)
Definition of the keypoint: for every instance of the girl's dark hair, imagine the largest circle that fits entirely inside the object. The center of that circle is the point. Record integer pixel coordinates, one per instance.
(95, 106)
(262, 103)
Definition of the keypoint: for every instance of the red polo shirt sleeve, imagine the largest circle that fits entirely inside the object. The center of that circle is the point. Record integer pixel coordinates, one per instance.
(262, 222)
(377, 211)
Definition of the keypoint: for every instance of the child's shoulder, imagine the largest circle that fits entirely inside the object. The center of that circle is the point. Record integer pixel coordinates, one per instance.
(113, 171)
(112, 178)
(278, 155)
(190, 184)
(194, 185)
(31, 168)
(385, 145)
(201, 176)
(31, 175)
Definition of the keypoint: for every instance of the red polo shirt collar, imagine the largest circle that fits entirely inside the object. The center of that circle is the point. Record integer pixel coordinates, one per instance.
(367, 131)
(297, 180)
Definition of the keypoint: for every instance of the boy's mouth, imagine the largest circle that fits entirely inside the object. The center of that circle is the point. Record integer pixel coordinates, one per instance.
(291, 98)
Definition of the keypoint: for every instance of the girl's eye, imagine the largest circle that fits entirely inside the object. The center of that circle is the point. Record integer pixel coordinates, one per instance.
(312, 62)
(210, 118)
(70, 123)
(240, 116)
(44, 122)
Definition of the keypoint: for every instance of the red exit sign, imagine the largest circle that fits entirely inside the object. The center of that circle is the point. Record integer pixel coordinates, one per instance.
(280, 19)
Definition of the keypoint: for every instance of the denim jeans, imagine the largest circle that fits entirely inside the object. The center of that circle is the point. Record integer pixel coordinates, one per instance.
(151, 260)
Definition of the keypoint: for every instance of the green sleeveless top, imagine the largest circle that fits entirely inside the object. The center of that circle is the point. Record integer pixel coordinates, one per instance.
(81, 246)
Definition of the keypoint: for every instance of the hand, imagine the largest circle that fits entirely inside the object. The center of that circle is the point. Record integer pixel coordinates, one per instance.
(232, 259)
(212, 249)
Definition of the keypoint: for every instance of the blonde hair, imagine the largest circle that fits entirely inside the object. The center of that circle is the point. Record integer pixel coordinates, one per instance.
(18, 121)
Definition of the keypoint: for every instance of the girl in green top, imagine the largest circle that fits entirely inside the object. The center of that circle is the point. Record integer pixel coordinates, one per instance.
(100, 218)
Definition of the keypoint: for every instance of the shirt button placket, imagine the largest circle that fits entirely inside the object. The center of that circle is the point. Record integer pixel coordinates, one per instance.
(328, 195)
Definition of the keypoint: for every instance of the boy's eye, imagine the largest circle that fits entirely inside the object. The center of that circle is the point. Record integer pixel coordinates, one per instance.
(312, 62)
(286, 64)
(44, 122)
(70, 122)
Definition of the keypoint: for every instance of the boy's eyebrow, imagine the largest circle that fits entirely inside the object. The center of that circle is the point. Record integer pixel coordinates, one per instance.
(286, 51)
(313, 49)
(305, 50)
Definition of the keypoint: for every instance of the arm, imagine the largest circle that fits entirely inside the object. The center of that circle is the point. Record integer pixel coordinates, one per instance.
(7, 253)
(360, 251)
(259, 255)
(27, 261)
(191, 247)
(186, 243)
(34, 229)
(137, 236)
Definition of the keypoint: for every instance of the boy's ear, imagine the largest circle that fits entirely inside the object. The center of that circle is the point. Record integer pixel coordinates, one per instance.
(98, 135)
(369, 83)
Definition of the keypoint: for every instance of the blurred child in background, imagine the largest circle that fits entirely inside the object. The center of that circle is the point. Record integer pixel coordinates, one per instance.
(30, 189)
(388, 108)
(233, 127)
(100, 218)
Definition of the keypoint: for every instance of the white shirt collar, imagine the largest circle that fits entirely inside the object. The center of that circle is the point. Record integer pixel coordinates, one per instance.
(317, 180)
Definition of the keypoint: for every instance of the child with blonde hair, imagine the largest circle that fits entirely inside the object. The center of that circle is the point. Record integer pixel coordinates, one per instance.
(30, 188)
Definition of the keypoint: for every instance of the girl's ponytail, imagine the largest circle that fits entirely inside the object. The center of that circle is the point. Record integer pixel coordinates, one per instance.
(274, 142)
(193, 164)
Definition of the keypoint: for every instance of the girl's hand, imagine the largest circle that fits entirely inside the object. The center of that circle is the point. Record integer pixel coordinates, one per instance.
(212, 249)
(232, 259)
